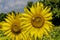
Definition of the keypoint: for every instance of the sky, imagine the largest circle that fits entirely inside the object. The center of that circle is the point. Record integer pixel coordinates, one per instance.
(16, 5)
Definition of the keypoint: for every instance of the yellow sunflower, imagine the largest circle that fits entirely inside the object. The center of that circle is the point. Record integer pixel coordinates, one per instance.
(37, 20)
(12, 27)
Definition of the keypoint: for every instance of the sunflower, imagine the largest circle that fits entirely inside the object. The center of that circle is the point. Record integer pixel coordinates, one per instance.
(36, 20)
(12, 27)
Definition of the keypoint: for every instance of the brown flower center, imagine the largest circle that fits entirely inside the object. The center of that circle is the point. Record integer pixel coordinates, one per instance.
(15, 28)
(37, 21)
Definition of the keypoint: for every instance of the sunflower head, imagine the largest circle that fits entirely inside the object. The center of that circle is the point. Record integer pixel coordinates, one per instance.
(12, 26)
(37, 20)
(14, 22)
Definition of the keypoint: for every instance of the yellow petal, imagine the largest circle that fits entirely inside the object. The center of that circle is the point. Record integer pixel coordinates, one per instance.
(26, 15)
(48, 15)
(25, 26)
(38, 10)
(41, 4)
(9, 18)
(49, 18)
(47, 11)
(38, 4)
(27, 11)
(12, 17)
(7, 32)
(17, 38)
(44, 11)
(24, 19)
(5, 27)
(13, 14)
(46, 26)
(13, 37)
(33, 10)
(8, 21)
(46, 33)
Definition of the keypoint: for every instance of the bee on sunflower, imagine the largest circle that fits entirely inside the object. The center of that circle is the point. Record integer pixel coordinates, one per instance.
(12, 27)
(37, 20)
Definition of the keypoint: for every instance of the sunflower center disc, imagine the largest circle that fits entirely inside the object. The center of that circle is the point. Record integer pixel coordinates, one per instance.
(37, 21)
(15, 29)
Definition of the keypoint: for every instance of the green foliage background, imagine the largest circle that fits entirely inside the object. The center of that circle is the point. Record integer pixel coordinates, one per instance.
(55, 8)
